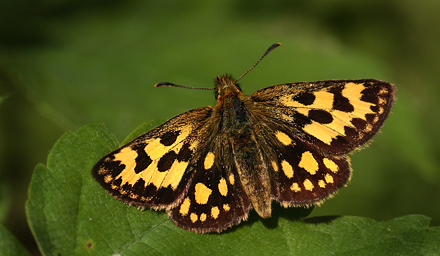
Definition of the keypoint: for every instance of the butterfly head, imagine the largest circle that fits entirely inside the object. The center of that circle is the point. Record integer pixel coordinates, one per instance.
(225, 86)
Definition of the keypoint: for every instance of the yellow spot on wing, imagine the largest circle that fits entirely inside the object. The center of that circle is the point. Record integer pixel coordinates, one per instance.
(223, 187)
(383, 91)
(283, 138)
(320, 132)
(202, 193)
(193, 217)
(231, 179)
(155, 149)
(215, 212)
(328, 178)
(308, 163)
(226, 207)
(308, 185)
(184, 207)
(323, 100)
(202, 217)
(381, 110)
(173, 176)
(321, 183)
(369, 127)
(295, 187)
(127, 156)
(287, 169)
(108, 178)
(353, 92)
(209, 160)
(274, 166)
(331, 165)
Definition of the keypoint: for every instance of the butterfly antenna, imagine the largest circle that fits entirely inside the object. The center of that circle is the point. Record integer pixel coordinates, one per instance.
(166, 84)
(258, 61)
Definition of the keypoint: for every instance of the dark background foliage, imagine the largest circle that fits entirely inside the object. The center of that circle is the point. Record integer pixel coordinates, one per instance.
(64, 64)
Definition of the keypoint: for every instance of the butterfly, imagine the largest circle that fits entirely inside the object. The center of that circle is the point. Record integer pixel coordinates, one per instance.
(209, 166)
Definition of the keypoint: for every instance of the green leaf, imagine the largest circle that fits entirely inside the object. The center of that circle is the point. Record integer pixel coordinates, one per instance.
(60, 192)
(70, 214)
(9, 245)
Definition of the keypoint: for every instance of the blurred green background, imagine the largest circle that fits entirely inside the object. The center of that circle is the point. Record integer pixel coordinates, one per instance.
(64, 64)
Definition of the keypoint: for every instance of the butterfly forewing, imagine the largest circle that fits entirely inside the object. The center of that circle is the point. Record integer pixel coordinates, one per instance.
(154, 168)
(335, 116)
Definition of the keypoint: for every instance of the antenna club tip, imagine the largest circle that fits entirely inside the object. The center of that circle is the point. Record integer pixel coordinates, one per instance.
(162, 84)
(274, 46)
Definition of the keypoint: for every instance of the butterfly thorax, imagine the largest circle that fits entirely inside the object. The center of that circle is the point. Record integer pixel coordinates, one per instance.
(230, 104)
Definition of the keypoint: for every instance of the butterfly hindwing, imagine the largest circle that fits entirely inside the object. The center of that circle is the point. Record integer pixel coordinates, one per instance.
(335, 116)
(302, 176)
(215, 198)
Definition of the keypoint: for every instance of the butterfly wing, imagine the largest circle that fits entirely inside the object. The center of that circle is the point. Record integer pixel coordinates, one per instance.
(306, 130)
(215, 198)
(154, 169)
(334, 116)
